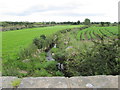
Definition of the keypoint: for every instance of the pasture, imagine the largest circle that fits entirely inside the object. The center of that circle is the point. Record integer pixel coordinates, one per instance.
(13, 41)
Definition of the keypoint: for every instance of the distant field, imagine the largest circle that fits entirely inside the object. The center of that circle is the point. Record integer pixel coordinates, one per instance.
(13, 41)
(97, 32)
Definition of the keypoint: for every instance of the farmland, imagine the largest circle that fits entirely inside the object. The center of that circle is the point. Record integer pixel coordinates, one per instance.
(97, 32)
(37, 51)
(87, 57)
(13, 41)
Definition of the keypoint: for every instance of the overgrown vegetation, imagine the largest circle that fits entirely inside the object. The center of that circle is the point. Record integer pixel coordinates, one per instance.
(86, 58)
(102, 58)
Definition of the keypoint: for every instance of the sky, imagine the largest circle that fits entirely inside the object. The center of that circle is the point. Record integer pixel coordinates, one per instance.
(59, 10)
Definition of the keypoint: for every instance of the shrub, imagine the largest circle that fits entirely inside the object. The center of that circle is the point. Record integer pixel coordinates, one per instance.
(50, 66)
(42, 73)
(27, 52)
(54, 50)
(102, 59)
(10, 68)
(58, 73)
(43, 37)
(23, 75)
(36, 41)
(43, 42)
(60, 56)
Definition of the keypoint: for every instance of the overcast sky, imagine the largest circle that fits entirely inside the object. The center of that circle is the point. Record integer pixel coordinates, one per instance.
(58, 10)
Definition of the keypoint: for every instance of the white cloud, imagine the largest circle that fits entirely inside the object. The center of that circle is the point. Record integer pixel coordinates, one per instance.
(58, 10)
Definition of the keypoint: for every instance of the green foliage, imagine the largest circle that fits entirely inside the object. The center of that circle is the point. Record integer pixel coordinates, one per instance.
(58, 73)
(43, 36)
(102, 23)
(42, 73)
(108, 23)
(77, 58)
(87, 21)
(92, 58)
(102, 59)
(10, 68)
(23, 75)
(78, 22)
(36, 41)
(54, 50)
(43, 42)
(105, 24)
(60, 56)
(27, 52)
(39, 42)
(16, 83)
(94, 32)
(43, 55)
(51, 65)
(14, 41)
(46, 69)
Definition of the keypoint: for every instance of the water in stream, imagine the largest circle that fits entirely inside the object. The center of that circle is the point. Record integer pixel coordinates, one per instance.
(49, 56)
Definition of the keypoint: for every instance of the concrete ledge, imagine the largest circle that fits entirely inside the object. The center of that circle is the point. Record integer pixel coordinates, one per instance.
(101, 81)
(7, 81)
(94, 82)
(44, 82)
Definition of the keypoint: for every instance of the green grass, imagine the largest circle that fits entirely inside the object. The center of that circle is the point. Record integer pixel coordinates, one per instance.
(111, 31)
(16, 83)
(13, 41)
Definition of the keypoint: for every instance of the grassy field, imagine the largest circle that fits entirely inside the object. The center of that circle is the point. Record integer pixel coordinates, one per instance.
(13, 41)
(96, 32)
(74, 48)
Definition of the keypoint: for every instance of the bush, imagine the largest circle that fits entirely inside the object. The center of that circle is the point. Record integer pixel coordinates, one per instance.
(43, 55)
(42, 73)
(43, 42)
(43, 37)
(27, 52)
(36, 41)
(58, 73)
(102, 59)
(54, 50)
(50, 66)
(10, 68)
(60, 56)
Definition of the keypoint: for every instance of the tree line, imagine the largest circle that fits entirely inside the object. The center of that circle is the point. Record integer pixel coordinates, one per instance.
(7, 25)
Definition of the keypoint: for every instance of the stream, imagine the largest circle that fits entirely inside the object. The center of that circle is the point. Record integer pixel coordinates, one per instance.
(49, 54)
(50, 58)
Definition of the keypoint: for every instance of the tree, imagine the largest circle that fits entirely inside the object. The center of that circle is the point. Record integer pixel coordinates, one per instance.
(87, 21)
(108, 23)
(74, 23)
(43, 36)
(78, 22)
(53, 22)
(102, 23)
